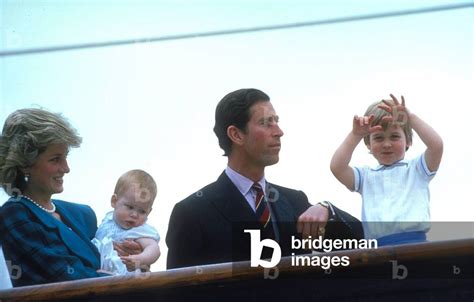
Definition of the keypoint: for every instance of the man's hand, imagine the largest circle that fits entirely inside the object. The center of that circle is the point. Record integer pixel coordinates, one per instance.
(313, 221)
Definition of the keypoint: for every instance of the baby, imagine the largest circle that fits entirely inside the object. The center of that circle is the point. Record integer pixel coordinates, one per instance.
(132, 201)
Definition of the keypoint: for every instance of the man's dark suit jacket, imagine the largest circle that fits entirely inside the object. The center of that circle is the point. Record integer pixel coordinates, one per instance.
(43, 249)
(208, 226)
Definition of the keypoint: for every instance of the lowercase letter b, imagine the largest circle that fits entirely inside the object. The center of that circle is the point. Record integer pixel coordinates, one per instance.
(256, 247)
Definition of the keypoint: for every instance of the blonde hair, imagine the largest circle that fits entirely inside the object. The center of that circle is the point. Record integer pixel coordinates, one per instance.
(140, 180)
(26, 134)
(379, 114)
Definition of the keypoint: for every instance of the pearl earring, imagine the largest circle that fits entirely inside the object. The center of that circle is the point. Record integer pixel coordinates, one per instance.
(27, 177)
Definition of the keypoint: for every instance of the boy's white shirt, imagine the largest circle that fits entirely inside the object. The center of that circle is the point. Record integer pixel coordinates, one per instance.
(396, 193)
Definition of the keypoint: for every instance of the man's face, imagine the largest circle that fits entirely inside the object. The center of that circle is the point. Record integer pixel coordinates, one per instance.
(261, 140)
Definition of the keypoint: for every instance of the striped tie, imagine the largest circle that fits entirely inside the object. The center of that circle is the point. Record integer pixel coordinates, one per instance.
(262, 210)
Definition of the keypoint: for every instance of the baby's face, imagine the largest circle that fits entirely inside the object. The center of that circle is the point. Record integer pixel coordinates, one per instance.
(130, 210)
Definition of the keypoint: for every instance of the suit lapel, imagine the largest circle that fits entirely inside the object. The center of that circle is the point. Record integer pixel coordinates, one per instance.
(282, 210)
(280, 204)
(230, 202)
(233, 205)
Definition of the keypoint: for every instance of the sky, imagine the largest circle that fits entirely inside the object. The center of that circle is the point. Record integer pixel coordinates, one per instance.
(151, 106)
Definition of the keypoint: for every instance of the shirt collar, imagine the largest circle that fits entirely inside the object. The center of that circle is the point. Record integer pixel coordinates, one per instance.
(401, 162)
(243, 183)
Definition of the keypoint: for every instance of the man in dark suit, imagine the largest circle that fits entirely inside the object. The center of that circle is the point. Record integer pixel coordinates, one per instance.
(208, 226)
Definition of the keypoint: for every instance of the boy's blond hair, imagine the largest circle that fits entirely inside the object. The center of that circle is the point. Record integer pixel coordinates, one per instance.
(379, 114)
(140, 180)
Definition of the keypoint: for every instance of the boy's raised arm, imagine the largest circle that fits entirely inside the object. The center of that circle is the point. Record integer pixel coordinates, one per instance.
(342, 157)
(431, 139)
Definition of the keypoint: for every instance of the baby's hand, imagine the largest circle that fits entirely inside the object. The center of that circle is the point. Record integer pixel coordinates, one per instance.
(361, 125)
(131, 262)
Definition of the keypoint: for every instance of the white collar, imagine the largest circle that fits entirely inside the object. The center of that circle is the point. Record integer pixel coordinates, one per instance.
(401, 162)
(243, 183)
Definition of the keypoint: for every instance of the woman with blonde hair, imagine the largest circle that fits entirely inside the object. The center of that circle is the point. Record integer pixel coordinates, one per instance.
(49, 240)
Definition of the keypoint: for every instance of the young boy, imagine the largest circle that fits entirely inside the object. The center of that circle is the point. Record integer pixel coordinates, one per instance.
(132, 201)
(395, 195)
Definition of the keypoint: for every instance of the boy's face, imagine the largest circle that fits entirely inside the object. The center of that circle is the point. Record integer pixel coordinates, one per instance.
(388, 146)
(130, 210)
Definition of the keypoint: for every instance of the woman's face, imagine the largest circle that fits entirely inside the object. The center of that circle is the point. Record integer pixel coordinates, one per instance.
(46, 175)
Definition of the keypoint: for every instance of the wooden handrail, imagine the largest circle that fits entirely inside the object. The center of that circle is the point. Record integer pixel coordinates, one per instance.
(230, 272)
